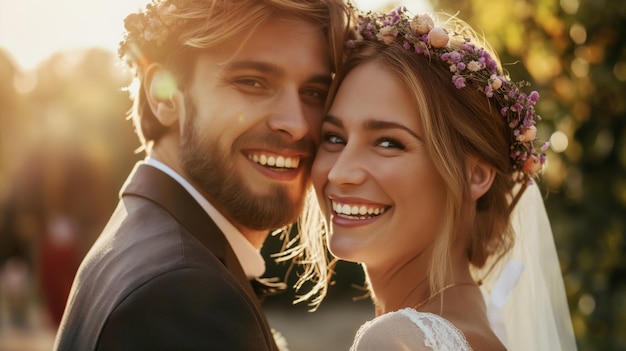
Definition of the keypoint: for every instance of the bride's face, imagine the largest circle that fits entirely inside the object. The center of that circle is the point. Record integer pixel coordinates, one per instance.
(375, 180)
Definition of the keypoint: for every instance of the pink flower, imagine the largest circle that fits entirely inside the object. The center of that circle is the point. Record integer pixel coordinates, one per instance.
(438, 37)
(531, 165)
(489, 91)
(459, 81)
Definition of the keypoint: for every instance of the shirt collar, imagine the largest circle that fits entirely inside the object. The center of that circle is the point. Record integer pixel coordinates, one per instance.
(249, 257)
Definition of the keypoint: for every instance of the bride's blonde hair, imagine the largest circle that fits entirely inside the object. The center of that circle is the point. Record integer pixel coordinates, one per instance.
(459, 122)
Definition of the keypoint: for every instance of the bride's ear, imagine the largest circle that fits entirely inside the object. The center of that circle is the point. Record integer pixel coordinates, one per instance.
(164, 98)
(480, 175)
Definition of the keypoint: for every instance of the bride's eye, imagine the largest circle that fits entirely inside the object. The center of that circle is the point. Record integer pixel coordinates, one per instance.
(333, 138)
(389, 143)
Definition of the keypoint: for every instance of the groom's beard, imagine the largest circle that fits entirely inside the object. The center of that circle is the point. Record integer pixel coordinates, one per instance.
(212, 170)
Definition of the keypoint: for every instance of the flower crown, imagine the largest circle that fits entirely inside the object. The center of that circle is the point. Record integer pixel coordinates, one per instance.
(469, 65)
(149, 30)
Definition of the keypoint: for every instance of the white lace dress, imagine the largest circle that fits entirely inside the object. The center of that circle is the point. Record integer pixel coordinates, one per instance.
(408, 329)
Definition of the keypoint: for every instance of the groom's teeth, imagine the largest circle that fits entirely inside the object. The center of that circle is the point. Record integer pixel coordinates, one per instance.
(275, 161)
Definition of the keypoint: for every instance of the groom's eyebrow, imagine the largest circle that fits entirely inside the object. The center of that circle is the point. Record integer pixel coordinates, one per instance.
(272, 69)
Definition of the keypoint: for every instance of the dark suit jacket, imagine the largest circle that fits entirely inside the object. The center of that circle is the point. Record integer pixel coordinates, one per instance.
(161, 276)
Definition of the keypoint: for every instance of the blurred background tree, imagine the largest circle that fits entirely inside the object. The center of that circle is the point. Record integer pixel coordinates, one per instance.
(65, 150)
(574, 53)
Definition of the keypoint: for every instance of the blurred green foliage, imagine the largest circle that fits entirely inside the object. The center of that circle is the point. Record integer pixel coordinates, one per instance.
(574, 53)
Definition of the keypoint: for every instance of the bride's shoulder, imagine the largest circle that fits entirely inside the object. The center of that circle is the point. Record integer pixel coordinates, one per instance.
(408, 328)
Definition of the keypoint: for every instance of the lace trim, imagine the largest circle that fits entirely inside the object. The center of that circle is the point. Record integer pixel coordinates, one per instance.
(439, 333)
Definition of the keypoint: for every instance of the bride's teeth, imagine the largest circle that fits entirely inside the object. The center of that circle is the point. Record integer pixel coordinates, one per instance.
(356, 211)
(362, 210)
(263, 160)
(271, 161)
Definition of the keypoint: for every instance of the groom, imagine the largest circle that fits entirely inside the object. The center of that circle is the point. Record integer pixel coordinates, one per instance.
(231, 95)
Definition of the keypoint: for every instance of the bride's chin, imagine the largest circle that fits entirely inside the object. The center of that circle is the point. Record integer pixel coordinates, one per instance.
(346, 250)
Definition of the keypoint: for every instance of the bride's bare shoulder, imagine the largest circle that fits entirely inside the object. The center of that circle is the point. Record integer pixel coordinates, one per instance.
(480, 340)
(477, 331)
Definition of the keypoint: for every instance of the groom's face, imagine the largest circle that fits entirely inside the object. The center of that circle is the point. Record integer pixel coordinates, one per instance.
(252, 115)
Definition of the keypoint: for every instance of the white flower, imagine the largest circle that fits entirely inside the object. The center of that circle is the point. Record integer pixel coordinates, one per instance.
(422, 24)
(495, 82)
(474, 66)
(529, 134)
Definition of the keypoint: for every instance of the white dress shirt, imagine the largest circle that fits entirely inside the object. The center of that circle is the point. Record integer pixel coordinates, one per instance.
(249, 256)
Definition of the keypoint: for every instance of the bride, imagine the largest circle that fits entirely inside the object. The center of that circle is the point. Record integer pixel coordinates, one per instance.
(426, 150)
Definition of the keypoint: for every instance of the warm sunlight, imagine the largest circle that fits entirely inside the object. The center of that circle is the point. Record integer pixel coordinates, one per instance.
(31, 30)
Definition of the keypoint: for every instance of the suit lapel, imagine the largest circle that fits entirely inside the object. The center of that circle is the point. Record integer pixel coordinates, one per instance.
(152, 184)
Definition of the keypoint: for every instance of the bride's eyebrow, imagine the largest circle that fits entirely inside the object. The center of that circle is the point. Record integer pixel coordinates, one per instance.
(374, 124)
(333, 120)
